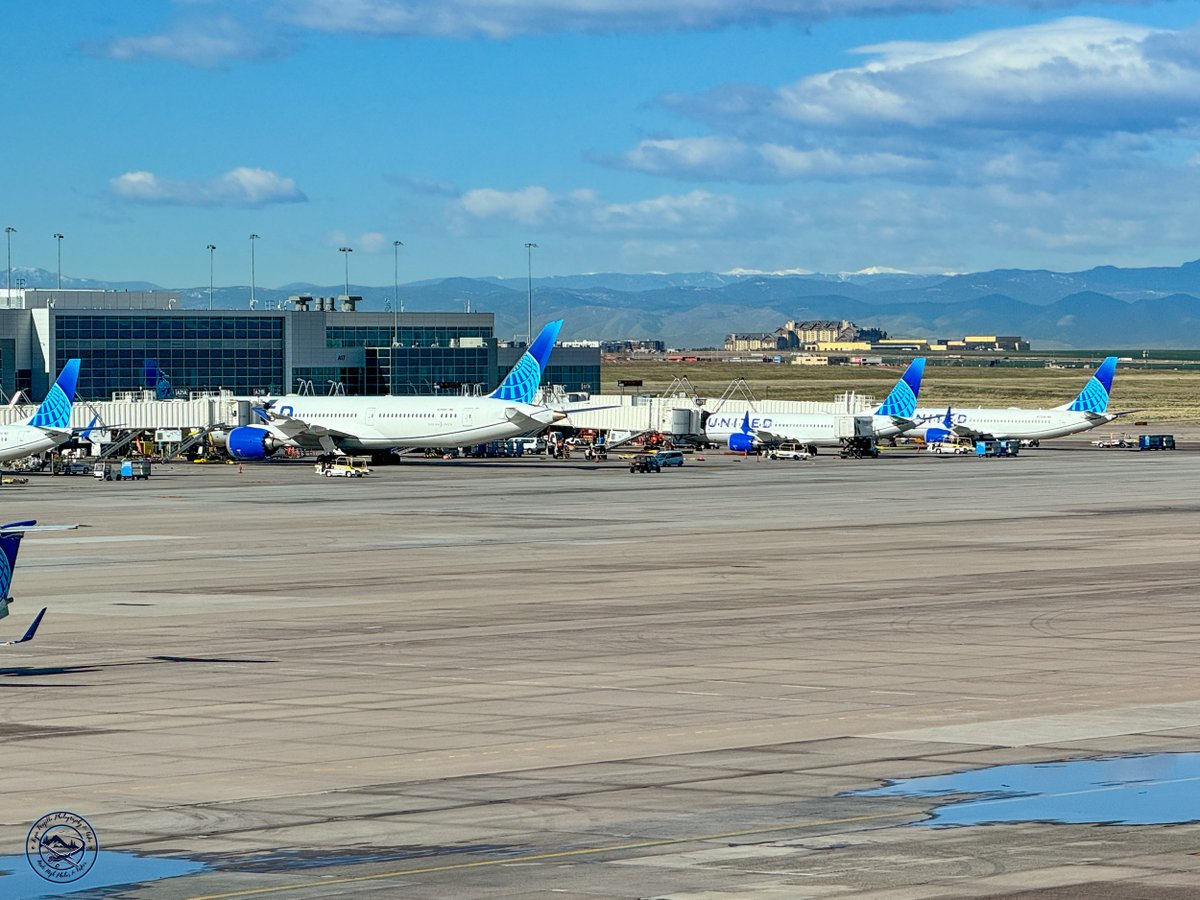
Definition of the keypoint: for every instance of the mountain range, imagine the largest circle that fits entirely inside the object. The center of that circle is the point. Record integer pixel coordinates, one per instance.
(1101, 307)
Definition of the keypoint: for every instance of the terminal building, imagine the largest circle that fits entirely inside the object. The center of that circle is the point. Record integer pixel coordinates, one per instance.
(139, 340)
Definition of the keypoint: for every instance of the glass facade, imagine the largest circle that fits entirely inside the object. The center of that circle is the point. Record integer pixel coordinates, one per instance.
(244, 354)
(381, 336)
(428, 370)
(320, 380)
(573, 378)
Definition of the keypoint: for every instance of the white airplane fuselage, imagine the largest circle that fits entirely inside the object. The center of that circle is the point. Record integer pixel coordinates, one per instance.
(17, 441)
(814, 429)
(1013, 424)
(381, 423)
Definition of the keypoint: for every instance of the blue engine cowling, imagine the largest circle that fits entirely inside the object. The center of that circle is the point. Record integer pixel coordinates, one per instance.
(935, 435)
(248, 442)
(740, 442)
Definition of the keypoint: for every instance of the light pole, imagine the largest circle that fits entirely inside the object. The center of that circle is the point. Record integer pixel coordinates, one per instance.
(346, 251)
(59, 238)
(9, 231)
(396, 245)
(211, 250)
(529, 248)
(397, 303)
(253, 238)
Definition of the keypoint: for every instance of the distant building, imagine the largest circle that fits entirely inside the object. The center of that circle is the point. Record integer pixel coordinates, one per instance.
(636, 346)
(815, 332)
(840, 346)
(756, 340)
(130, 340)
(995, 342)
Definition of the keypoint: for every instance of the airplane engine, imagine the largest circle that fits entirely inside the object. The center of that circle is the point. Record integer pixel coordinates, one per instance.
(248, 442)
(935, 434)
(739, 442)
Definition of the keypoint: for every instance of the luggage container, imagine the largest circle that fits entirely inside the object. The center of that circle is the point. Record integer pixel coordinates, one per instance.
(1156, 442)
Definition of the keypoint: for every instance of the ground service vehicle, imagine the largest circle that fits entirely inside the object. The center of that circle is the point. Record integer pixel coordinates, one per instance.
(669, 458)
(1156, 442)
(789, 450)
(644, 462)
(126, 470)
(344, 467)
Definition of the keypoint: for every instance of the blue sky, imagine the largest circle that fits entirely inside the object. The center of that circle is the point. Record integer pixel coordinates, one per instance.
(657, 135)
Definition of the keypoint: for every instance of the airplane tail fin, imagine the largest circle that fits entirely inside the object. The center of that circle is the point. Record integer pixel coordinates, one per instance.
(1094, 396)
(902, 401)
(522, 382)
(10, 543)
(55, 411)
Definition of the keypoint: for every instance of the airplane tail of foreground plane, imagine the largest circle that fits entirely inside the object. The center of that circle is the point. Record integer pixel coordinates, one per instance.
(10, 543)
(55, 412)
(1094, 396)
(901, 403)
(522, 382)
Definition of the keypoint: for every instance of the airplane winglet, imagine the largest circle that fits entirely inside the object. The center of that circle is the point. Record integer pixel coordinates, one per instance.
(87, 432)
(29, 632)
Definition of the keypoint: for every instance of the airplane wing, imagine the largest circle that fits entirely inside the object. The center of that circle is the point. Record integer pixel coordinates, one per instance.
(30, 526)
(290, 428)
(29, 632)
(529, 423)
(770, 437)
(578, 409)
(964, 432)
(1108, 417)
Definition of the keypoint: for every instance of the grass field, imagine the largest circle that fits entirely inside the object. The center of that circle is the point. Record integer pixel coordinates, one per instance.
(1164, 394)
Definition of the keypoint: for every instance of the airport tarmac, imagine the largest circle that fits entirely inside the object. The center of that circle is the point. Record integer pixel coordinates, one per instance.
(528, 678)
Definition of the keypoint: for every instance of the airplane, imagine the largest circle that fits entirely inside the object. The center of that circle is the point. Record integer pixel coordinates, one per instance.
(47, 428)
(10, 543)
(894, 416)
(339, 425)
(1088, 410)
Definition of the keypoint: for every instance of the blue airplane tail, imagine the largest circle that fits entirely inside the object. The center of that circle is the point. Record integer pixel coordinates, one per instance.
(902, 401)
(1094, 396)
(10, 543)
(522, 382)
(55, 411)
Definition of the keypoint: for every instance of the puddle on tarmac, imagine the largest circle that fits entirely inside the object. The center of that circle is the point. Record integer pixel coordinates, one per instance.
(1151, 789)
(112, 867)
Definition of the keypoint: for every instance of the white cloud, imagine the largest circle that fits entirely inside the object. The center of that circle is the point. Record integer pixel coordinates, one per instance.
(203, 42)
(733, 160)
(1009, 103)
(244, 31)
(527, 206)
(585, 211)
(1073, 75)
(503, 19)
(242, 186)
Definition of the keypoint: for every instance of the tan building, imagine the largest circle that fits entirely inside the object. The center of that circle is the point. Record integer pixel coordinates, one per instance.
(814, 332)
(746, 341)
